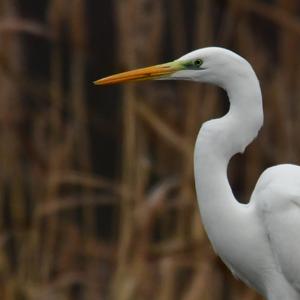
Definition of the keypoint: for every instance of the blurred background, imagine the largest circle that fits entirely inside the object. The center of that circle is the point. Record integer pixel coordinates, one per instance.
(97, 195)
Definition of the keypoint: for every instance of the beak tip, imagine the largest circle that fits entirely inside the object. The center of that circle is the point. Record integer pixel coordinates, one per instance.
(97, 82)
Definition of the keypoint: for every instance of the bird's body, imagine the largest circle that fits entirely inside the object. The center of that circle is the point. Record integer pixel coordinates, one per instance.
(258, 241)
(276, 199)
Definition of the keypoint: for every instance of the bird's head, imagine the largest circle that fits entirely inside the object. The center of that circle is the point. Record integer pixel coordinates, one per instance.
(210, 65)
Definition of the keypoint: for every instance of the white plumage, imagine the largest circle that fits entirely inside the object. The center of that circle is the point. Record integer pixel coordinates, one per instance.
(258, 241)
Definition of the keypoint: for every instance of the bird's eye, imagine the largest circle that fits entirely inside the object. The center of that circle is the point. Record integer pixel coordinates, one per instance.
(198, 63)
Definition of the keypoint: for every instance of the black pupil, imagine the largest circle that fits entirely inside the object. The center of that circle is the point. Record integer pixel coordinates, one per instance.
(198, 62)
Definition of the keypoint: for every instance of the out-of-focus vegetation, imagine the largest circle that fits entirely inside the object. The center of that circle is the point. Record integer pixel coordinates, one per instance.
(97, 196)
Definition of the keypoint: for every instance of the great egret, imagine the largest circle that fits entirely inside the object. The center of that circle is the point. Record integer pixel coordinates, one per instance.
(258, 241)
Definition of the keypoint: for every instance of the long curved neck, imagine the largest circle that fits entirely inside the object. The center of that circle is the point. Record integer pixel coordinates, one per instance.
(217, 141)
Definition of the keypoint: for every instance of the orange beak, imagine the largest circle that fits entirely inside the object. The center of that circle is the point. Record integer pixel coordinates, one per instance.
(148, 73)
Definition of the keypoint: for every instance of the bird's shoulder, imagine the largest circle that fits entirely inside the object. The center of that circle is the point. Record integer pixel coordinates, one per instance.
(277, 188)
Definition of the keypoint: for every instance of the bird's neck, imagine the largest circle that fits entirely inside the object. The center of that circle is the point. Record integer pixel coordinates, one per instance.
(217, 141)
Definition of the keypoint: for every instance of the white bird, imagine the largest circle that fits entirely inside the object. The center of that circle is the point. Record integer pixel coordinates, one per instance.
(258, 241)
